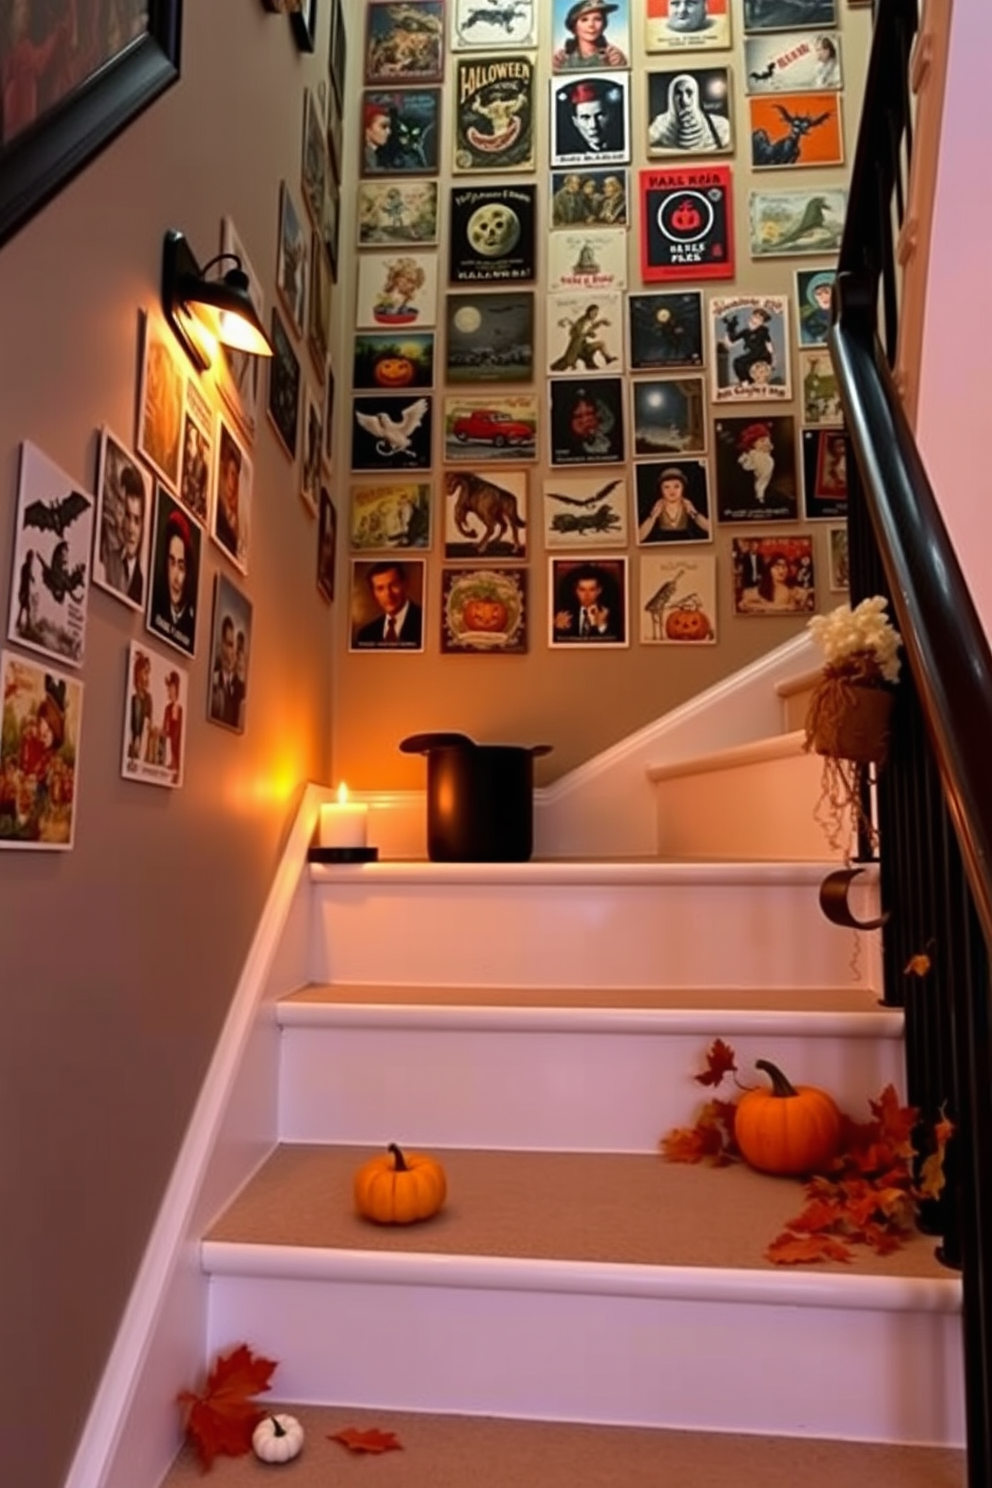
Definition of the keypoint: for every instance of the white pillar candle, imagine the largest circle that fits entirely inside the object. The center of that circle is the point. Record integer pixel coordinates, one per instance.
(343, 823)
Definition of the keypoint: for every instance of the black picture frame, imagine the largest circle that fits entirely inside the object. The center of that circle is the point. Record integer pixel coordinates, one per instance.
(36, 164)
(304, 21)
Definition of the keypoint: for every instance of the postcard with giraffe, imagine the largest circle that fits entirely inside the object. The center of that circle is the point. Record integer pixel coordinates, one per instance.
(677, 600)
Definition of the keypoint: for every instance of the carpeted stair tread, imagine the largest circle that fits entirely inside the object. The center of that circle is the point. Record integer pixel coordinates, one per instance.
(702, 999)
(633, 1209)
(454, 1451)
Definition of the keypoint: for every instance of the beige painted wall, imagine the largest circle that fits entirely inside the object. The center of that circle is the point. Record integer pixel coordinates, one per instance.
(579, 702)
(119, 959)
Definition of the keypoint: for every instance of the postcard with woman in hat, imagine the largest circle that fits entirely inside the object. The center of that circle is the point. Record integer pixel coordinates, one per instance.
(582, 25)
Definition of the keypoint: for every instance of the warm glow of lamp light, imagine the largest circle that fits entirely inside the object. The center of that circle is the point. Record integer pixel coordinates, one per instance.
(344, 823)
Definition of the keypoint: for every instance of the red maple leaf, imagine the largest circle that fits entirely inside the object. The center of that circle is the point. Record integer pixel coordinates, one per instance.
(222, 1419)
(720, 1060)
(710, 1140)
(372, 1440)
(790, 1250)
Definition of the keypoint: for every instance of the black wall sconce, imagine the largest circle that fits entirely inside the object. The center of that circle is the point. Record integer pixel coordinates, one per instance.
(206, 311)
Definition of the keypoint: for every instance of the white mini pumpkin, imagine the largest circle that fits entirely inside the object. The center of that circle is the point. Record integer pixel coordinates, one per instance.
(277, 1439)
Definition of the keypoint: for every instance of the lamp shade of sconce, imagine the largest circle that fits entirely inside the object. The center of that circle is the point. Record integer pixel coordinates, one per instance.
(205, 311)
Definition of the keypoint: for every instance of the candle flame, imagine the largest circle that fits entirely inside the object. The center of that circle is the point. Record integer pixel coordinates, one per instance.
(342, 794)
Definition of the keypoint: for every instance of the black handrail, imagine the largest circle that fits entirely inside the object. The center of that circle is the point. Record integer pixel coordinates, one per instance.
(934, 798)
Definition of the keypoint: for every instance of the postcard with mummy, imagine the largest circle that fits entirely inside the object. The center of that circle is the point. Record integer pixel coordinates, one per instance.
(689, 112)
(749, 361)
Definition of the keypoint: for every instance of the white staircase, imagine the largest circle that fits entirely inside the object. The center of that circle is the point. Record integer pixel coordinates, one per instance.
(538, 1026)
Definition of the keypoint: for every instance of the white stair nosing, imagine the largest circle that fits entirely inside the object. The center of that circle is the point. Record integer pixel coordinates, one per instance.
(758, 751)
(563, 871)
(223, 1258)
(885, 1023)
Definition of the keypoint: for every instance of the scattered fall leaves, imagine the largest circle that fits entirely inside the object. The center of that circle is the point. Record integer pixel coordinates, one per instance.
(373, 1440)
(868, 1195)
(221, 1420)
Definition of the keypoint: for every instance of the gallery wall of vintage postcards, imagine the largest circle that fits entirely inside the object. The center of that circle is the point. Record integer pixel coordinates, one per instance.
(588, 403)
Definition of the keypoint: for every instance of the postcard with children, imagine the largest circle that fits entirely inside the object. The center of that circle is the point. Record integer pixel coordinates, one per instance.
(396, 291)
(749, 348)
(589, 197)
(677, 599)
(39, 754)
(153, 746)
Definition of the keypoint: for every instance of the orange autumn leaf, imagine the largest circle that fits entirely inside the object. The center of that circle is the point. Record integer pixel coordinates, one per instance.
(917, 965)
(222, 1419)
(932, 1177)
(819, 1214)
(896, 1122)
(791, 1250)
(710, 1140)
(720, 1060)
(373, 1440)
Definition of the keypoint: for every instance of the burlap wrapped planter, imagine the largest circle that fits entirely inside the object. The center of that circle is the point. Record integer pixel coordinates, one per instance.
(849, 721)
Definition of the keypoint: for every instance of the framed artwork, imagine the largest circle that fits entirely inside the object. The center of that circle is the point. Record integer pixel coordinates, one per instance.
(391, 433)
(589, 198)
(334, 133)
(585, 511)
(175, 570)
(825, 455)
(749, 348)
(838, 563)
(499, 428)
(231, 529)
(668, 416)
(483, 611)
(687, 224)
(820, 390)
(494, 114)
(489, 337)
(102, 82)
(793, 221)
(584, 333)
(491, 234)
(329, 389)
(587, 421)
(319, 310)
(303, 17)
(686, 25)
(153, 737)
(677, 599)
(39, 754)
(589, 259)
(230, 654)
(404, 43)
(665, 330)
(385, 517)
(787, 15)
(792, 62)
(672, 502)
(313, 438)
(795, 130)
(292, 260)
(397, 212)
(485, 517)
(284, 387)
(587, 602)
(239, 376)
(387, 605)
(53, 543)
(332, 226)
(400, 131)
(588, 36)
(393, 360)
(315, 165)
(337, 51)
(773, 575)
(814, 295)
(590, 120)
(327, 541)
(195, 475)
(756, 468)
(161, 400)
(396, 291)
(690, 112)
(489, 27)
(124, 490)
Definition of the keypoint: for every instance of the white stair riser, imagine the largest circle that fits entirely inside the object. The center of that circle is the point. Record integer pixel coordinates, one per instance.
(839, 1372)
(605, 1092)
(588, 935)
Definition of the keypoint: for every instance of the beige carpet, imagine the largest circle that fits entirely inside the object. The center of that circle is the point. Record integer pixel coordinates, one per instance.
(479, 1452)
(635, 1209)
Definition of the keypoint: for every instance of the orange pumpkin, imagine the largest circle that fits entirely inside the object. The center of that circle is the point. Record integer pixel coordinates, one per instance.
(394, 371)
(788, 1129)
(688, 625)
(398, 1188)
(484, 614)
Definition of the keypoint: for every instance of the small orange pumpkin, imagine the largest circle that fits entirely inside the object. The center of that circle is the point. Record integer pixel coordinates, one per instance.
(484, 614)
(788, 1130)
(394, 371)
(688, 625)
(398, 1188)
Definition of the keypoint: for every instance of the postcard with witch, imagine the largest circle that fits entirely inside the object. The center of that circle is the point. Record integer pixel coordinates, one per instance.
(480, 25)
(39, 754)
(756, 468)
(491, 234)
(53, 539)
(494, 114)
(666, 330)
(687, 224)
(749, 360)
(490, 336)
